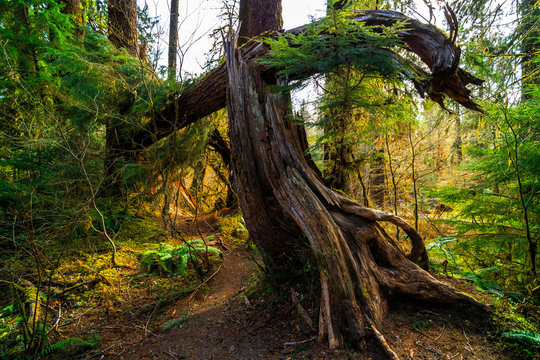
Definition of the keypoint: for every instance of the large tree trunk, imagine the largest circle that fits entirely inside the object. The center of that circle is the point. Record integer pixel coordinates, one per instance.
(208, 95)
(123, 25)
(257, 17)
(288, 210)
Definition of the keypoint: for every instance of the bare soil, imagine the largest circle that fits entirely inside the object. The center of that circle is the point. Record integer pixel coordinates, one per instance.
(236, 316)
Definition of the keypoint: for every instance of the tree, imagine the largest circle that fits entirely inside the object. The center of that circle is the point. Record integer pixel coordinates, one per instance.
(173, 40)
(123, 25)
(122, 17)
(290, 212)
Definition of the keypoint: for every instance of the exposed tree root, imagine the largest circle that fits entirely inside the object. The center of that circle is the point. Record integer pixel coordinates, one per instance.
(287, 208)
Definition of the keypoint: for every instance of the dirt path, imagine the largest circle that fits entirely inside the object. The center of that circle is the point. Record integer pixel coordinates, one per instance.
(236, 316)
(204, 331)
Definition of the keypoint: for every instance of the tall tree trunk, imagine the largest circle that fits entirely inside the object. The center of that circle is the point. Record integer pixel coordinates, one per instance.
(257, 17)
(122, 34)
(378, 179)
(458, 143)
(123, 25)
(289, 210)
(173, 40)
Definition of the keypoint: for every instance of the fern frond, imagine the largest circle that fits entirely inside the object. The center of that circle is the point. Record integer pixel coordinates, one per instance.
(526, 337)
(175, 259)
(61, 346)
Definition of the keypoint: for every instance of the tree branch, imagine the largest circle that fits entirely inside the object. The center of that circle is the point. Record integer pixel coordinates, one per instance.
(208, 94)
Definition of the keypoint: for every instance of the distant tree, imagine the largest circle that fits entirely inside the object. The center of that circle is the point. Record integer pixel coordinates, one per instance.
(173, 40)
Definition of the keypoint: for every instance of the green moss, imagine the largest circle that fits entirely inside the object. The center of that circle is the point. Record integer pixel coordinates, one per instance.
(233, 227)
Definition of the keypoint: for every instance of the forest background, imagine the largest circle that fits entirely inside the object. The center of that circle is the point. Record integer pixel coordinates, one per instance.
(468, 181)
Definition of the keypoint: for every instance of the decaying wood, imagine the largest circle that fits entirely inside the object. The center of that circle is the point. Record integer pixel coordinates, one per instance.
(288, 210)
(301, 311)
(208, 94)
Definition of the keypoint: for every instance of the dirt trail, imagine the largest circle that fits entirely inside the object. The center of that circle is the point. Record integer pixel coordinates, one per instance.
(235, 316)
(206, 331)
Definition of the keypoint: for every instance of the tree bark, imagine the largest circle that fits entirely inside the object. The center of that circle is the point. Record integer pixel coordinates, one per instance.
(122, 17)
(288, 211)
(258, 17)
(173, 40)
(220, 146)
(123, 25)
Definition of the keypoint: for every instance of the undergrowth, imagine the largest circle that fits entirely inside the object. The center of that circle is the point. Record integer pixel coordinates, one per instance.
(174, 260)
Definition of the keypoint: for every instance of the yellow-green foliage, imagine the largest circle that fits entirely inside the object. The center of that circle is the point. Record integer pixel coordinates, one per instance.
(136, 232)
(233, 227)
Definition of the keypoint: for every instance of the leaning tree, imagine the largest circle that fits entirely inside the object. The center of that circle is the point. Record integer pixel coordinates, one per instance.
(289, 211)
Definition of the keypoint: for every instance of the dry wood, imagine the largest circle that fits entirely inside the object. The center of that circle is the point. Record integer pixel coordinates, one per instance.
(301, 311)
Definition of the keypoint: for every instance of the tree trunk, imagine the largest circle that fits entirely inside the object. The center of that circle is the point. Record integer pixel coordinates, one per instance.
(208, 95)
(173, 40)
(220, 146)
(122, 34)
(378, 179)
(257, 17)
(288, 211)
(123, 25)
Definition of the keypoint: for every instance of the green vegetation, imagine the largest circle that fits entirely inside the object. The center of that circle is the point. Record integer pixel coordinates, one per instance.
(91, 221)
(173, 260)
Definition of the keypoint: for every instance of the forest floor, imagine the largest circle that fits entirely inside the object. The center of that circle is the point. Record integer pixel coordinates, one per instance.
(236, 314)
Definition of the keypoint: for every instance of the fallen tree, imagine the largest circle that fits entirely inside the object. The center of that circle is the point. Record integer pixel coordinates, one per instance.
(208, 94)
(290, 213)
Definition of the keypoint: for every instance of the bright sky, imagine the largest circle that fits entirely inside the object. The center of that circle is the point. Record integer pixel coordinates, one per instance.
(199, 17)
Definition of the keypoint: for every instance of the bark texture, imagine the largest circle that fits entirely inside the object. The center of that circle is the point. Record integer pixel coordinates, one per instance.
(288, 210)
(123, 25)
(122, 17)
(173, 40)
(258, 17)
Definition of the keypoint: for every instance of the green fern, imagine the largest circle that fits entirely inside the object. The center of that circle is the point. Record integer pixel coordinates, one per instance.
(525, 337)
(174, 260)
(62, 346)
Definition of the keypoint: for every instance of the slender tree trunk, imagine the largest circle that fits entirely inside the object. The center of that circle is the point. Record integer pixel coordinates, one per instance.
(378, 179)
(458, 143)
(414, 177)
(393, 178)
(218, 143)
(173, 40)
